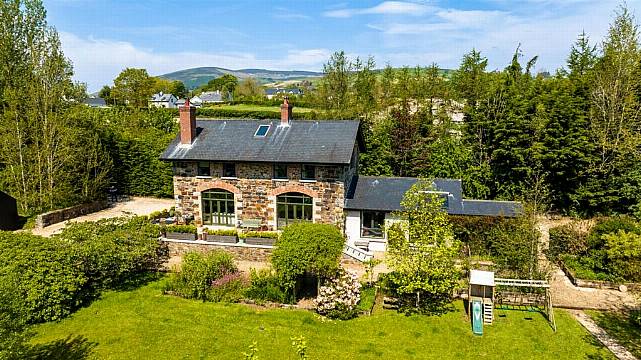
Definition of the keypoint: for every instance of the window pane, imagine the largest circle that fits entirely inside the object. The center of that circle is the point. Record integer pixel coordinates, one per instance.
(262, 130)
(308, 172)
(229, 170)
(372, 224)
(280, 171)
(293, 207)
(203, 168)
(218, 207)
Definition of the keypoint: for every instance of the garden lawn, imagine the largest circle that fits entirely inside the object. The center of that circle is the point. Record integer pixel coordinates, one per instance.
(619, 327)
(144, 324)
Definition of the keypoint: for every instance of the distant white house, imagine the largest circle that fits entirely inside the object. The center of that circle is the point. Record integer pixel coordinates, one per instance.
(195, 102)
(271, 92)
(212, 97)
(162, 100)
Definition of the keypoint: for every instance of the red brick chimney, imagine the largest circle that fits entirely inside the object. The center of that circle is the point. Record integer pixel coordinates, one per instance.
(187, 123)
(285, 112)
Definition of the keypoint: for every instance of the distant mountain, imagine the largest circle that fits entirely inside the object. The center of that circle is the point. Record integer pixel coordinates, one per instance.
(193, 78)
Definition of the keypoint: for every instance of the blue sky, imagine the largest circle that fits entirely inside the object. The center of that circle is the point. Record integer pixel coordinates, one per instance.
(103, 37)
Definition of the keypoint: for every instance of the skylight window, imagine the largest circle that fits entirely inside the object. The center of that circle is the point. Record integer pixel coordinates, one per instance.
(262, 131)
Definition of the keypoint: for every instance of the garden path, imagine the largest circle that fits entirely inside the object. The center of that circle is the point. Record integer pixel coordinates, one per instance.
(564, 293)
(619, 351)
(132, 206)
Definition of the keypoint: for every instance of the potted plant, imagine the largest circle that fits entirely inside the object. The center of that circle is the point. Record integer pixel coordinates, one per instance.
(260, 237)
(229, 236)
(179, 232)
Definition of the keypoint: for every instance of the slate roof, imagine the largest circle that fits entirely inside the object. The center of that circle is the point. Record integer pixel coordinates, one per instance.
(95, 102)
(160, 97)
(211, 96)
(385, 194)
(304, 141)
(274, 91)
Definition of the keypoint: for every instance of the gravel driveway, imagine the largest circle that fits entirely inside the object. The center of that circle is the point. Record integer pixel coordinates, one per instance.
(133, 206)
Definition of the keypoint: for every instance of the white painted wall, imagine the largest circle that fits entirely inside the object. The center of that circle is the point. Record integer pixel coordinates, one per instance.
(353, 230)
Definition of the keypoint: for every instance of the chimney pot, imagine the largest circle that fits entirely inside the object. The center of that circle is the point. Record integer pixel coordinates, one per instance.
(187, 123)
(285, 112)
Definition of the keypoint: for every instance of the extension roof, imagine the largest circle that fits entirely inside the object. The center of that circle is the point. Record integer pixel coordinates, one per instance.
(303, 141)
(386, 193)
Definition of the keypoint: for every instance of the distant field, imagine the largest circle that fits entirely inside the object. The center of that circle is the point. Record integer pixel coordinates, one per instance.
(244, 107)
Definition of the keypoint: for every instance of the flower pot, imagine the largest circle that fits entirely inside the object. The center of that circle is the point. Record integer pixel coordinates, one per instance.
(260, 241)
(180, 236)
(229, 239)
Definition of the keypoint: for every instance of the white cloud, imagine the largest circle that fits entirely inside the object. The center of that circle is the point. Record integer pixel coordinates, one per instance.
(384, 8)
(98, 61)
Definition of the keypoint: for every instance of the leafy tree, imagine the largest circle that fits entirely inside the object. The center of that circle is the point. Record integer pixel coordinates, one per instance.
(582, 56)
(615, 120)
(307, 248)
(334, 87)
(422, 251)
(46, 159)
(226, 84)
(364, 88)
(133, 87)
(174, 87)
(105, 93)
(249, 88)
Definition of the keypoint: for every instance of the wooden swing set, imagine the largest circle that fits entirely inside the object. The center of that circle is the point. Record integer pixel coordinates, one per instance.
(494, 292)
(537, 296)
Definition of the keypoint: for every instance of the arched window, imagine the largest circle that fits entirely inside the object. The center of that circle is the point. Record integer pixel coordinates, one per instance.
(293, 207)
(218, 207)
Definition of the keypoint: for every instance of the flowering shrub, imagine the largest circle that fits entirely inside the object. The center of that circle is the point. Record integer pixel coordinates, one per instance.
(338, 297)
(228, 288)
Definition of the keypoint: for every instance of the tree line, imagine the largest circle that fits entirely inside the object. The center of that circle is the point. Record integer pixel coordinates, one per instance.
(567, 142)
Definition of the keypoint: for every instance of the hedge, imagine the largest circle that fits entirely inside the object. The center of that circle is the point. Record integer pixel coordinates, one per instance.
(54, 276)
(307, 248)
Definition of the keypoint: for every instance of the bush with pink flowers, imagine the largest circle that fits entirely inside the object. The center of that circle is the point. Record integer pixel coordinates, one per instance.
(337, 297)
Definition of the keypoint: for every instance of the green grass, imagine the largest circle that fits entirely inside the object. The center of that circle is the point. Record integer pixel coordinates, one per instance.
(368, 294)
(247, 107)
(618, 326)
(144, 324)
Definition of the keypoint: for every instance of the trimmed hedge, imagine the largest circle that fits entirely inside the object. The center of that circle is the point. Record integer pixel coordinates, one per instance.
(226, 113)
(44, 275)
(259, 234)
(54, 276)
(222, 232)
(183, 229)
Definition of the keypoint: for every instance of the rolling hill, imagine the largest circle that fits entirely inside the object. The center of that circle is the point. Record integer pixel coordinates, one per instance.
(193, 78)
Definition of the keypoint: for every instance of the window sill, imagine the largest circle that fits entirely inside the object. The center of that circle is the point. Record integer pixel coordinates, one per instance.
(280, 179)
(229, 178)
(307, 181)
(203, 177)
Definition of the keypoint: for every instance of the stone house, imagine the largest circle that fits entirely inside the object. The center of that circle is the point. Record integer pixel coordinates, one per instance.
(266, 174)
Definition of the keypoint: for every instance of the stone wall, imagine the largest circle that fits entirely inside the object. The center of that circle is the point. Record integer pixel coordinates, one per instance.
(247, 253)
(255, 191)
(61, 215)
(242, 253)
